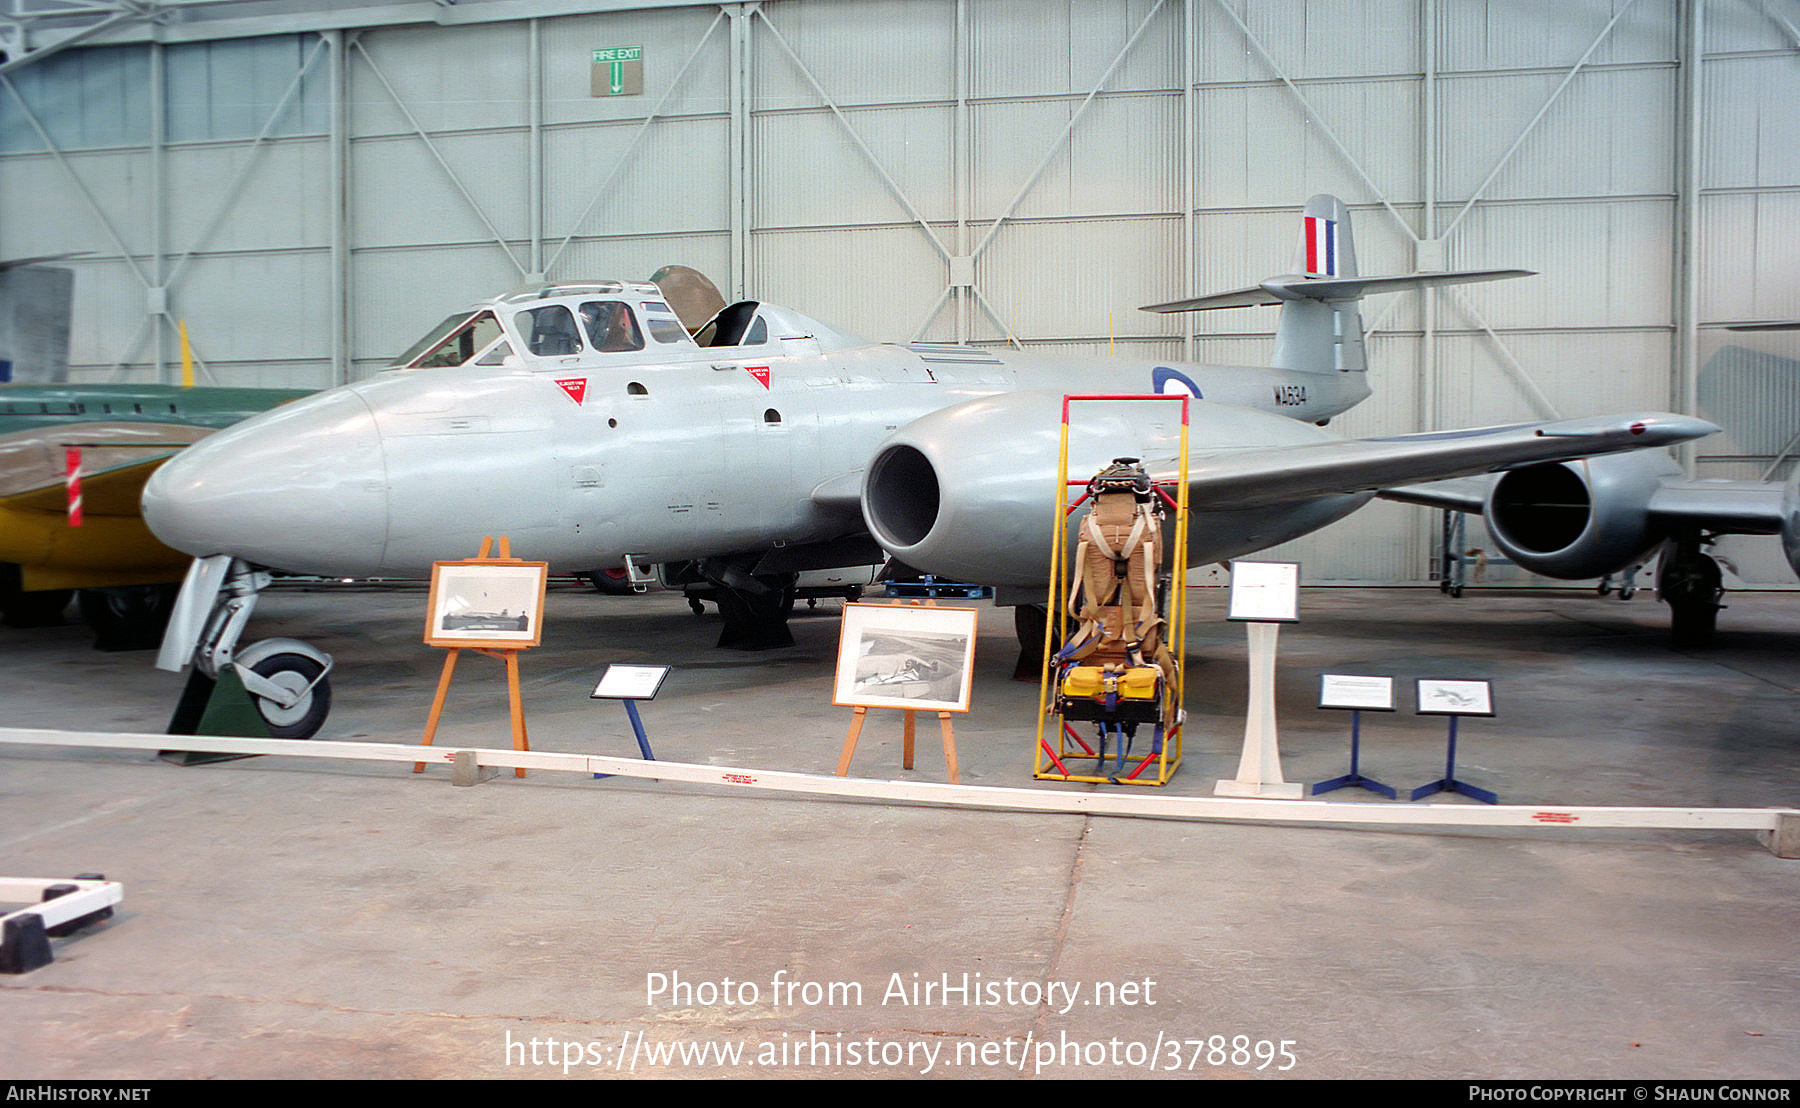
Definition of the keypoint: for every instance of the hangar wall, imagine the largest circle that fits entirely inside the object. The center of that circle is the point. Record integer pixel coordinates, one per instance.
(310, 191)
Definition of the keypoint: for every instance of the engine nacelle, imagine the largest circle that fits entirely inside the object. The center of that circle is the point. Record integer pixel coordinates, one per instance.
(966, 492)
(1578, 519)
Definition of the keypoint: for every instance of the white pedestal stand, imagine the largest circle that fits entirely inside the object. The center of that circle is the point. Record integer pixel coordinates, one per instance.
(1259, 768)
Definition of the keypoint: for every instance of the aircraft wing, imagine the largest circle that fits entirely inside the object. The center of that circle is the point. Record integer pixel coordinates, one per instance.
(1715, 506)
(1276, 475)
(1722, 507)
(115, 492)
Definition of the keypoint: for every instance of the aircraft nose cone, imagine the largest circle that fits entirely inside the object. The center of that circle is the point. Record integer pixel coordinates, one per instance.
(302, 488)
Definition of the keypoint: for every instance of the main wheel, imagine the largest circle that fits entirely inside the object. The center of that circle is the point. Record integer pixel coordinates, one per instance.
(128, 617)
(293, 672)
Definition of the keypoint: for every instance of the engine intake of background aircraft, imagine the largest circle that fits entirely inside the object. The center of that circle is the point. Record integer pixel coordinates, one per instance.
(1541, 509)
(1573, 520)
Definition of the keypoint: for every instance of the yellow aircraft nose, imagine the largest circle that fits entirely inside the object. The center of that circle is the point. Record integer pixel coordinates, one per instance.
(302, 488)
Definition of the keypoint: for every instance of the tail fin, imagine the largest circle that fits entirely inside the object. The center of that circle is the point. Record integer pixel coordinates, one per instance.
(1321, 330)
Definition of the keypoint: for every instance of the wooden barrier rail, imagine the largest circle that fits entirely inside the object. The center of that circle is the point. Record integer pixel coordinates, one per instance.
(1779, 826)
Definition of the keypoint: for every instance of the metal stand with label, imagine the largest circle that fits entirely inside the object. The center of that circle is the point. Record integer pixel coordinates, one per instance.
(1357, 694)
(1454, 699)
(630, 684)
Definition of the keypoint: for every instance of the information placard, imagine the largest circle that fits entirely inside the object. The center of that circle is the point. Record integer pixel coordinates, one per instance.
(1454, 698)
(1265, 592)
(1368, 694)
(630, 683)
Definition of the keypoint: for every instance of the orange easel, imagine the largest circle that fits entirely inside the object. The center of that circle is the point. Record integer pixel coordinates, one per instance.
(906, 760)
(910, 725)
(509, 655)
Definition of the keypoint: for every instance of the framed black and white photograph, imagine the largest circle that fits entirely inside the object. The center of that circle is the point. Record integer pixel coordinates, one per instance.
(903, 656)
(493, 604)
(1439, 697)
(1264, 592)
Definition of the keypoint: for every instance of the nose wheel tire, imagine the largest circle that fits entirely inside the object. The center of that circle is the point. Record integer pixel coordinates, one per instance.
(294, 672)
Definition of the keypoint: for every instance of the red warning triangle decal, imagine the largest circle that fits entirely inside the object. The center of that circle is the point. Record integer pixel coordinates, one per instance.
(576, 387)
(760, 372)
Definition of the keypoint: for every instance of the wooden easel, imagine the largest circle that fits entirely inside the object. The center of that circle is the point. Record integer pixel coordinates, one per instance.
(508, 655)
(906, 759)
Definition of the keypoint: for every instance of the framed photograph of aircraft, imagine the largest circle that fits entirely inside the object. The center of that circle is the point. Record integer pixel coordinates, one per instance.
(905, 656)
(486, 603)
(1455, 698)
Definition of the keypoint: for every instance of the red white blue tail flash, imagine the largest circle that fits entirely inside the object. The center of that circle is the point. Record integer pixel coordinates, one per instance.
(1321, 247)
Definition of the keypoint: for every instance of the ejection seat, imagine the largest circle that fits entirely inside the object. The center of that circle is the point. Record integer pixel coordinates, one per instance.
(1115, 669)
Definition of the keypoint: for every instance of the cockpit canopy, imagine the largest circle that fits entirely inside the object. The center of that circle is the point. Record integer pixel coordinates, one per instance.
(557, 321)
(575, 323)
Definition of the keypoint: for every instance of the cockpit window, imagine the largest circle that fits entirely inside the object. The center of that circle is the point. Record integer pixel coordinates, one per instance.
(496, 356)
(610, 326)
(737, 325)
(663, 324)
(456, 341)
(549, 331)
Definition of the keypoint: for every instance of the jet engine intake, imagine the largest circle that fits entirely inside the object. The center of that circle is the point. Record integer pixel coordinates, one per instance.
(1578, 519)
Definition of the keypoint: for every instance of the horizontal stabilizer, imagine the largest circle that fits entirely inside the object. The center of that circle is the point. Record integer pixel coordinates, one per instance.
(1277, 290)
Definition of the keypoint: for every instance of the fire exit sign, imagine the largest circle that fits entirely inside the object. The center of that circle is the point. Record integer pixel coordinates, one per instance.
(618, 71)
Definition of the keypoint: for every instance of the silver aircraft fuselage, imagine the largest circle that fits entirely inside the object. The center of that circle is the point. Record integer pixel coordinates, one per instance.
(669, 452)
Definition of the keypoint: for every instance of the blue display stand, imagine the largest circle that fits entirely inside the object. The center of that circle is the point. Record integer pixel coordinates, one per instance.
(1354, 778)
(1454, 699)
(1356, 694)
(630, 684)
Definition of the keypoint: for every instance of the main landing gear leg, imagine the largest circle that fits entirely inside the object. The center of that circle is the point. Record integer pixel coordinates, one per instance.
(1689, 581)
(755, 608)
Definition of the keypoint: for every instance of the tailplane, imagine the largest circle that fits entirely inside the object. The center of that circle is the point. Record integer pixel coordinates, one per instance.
(1321, 329)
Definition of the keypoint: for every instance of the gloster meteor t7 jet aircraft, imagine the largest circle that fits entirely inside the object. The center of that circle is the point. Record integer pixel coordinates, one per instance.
(589, 426)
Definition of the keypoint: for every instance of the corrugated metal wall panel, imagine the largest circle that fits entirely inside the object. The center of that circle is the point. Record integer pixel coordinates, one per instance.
(240, 88)
(1525, 34)
(1076, 279)
(1123, 156)
(262, 319)
(401, 195)
(283, 201)
(911, 146)
(859, 52)
(1602, 264)
(1064, 48)
(1606, 134)
(635, 257)
(877, 282)
(449, 78)
(666, 179)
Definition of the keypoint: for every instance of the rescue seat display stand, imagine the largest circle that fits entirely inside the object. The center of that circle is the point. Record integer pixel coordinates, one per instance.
(1264, 595)
(507, 654)
(1122, 667)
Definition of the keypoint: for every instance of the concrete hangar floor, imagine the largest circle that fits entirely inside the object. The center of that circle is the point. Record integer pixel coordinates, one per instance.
(288, 917)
